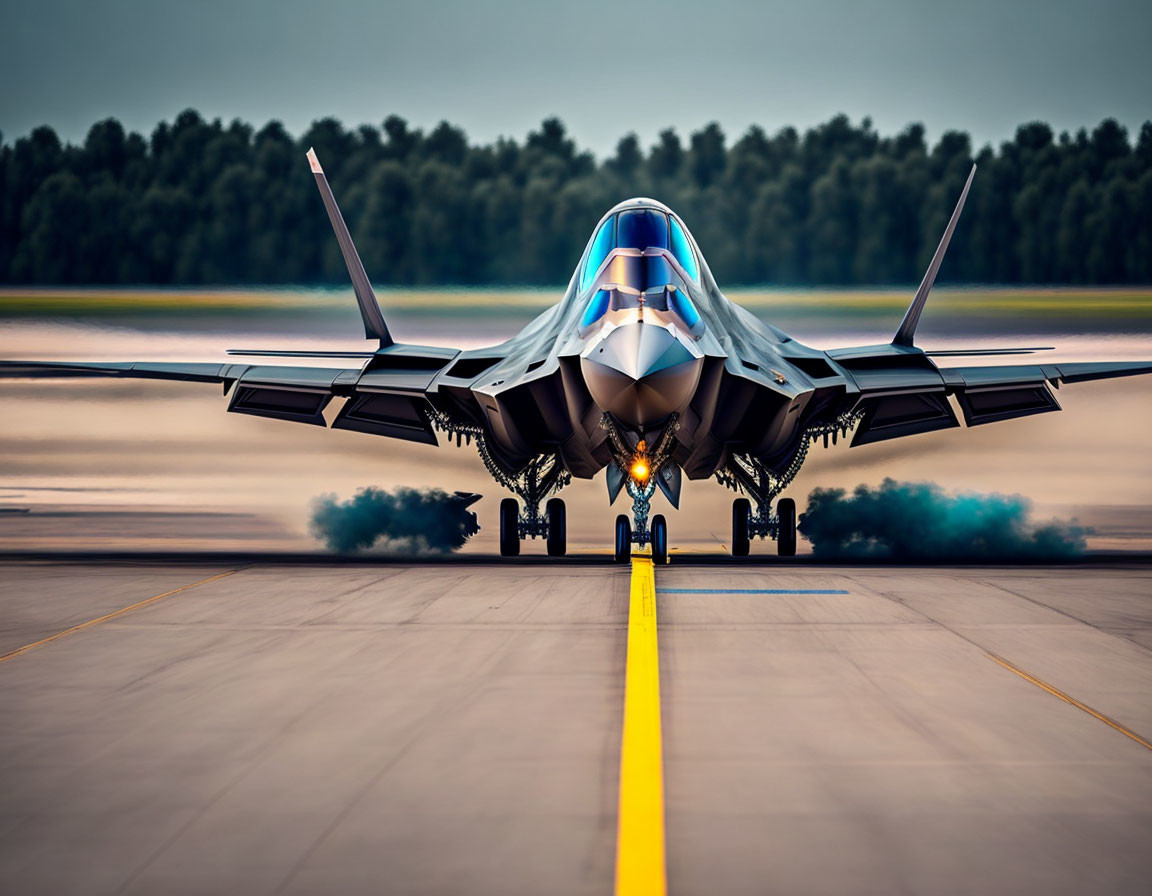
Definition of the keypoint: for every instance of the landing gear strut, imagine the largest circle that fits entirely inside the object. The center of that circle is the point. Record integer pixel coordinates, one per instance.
(656, 534)
(640, 465)
(752, 517)
(542, 476)
(780, 526)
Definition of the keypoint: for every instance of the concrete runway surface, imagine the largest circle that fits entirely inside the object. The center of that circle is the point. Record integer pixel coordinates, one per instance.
(456, 728)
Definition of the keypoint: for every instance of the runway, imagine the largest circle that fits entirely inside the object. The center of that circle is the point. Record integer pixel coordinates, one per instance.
(456, 728)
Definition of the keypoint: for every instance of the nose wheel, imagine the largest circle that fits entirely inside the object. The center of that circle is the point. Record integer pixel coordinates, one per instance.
(659, 539)
(655, 534)
(623, 547)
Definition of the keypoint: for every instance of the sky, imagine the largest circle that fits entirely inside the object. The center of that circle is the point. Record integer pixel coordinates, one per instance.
(498, 67)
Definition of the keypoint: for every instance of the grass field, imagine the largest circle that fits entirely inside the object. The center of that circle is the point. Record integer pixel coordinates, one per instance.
(1124, 302)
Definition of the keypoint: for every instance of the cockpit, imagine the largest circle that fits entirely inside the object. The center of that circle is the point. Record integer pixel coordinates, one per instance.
(641, 258)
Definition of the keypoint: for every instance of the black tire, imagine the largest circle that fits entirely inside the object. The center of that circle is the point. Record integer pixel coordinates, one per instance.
(741, 515)
(509, 528)
(659, 539)
(623, 552)
(557, 527)
(786, 535)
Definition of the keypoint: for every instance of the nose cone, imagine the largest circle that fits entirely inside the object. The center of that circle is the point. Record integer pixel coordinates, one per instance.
(640, 373)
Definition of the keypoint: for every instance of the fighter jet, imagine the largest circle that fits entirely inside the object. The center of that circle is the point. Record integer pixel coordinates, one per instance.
(644, 369)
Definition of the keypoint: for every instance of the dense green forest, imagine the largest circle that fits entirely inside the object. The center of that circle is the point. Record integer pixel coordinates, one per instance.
(207, 202)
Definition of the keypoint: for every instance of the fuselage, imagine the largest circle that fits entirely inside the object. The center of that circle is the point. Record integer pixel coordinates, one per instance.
(643, 339)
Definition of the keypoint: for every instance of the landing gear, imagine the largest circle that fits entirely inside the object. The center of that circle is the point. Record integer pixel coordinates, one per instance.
(786, 527)
(659, 539)
(557, 519)
(542, 476)
(782, 527)
(623, 552)
(639, 464)
(509, 528)
(741, 514)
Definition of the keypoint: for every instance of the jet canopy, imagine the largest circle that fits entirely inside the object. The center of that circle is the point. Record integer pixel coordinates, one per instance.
(640, 228)
(640, 257)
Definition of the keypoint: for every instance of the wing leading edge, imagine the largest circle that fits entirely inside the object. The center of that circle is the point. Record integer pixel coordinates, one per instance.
(388, 396)
(902, 393)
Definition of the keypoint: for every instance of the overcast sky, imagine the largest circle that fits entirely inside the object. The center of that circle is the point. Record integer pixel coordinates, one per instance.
(500, 66)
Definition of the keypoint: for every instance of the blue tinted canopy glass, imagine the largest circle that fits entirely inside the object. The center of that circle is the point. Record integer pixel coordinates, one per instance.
(601, 246)
(597, 306)
(679, 303)
(642, 229)
(682, 251)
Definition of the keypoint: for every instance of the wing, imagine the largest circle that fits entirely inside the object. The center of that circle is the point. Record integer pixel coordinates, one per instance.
(901, 392)
(388, 396)
(991, 394)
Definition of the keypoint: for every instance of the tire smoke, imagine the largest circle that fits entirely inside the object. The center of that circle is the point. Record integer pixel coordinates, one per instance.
(403, 521)
(920, 521)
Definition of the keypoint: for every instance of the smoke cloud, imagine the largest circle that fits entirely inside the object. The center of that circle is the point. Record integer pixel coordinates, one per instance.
(405, 521)
(919, 521)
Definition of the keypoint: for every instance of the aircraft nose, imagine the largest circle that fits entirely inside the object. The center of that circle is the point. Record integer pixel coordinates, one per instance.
(640, 373)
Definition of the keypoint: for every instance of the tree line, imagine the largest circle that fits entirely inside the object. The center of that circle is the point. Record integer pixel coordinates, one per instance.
(203, 202)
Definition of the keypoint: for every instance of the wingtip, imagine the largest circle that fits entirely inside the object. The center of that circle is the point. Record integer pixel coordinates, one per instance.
(314, 162)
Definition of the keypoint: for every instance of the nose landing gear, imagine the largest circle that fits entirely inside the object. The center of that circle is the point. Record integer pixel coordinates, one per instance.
(640, 464)
(655, 535)
(659, 539)
(623, 549)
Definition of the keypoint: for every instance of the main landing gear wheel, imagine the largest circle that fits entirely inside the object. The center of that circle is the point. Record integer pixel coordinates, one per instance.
(659, 539)
(741, 514)
(557, 527)
(509, 528)
(786, 539)
(623, 551)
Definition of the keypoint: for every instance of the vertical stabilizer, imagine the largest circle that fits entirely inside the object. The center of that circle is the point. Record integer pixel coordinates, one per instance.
(374, 326)
(907, 331)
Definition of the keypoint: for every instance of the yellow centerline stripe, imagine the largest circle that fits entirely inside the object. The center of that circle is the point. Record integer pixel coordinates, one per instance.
(1056, 692)
(640, 828)
(112, 615)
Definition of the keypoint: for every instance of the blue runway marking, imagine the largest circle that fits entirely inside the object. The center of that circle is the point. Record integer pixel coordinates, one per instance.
(750, 591)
